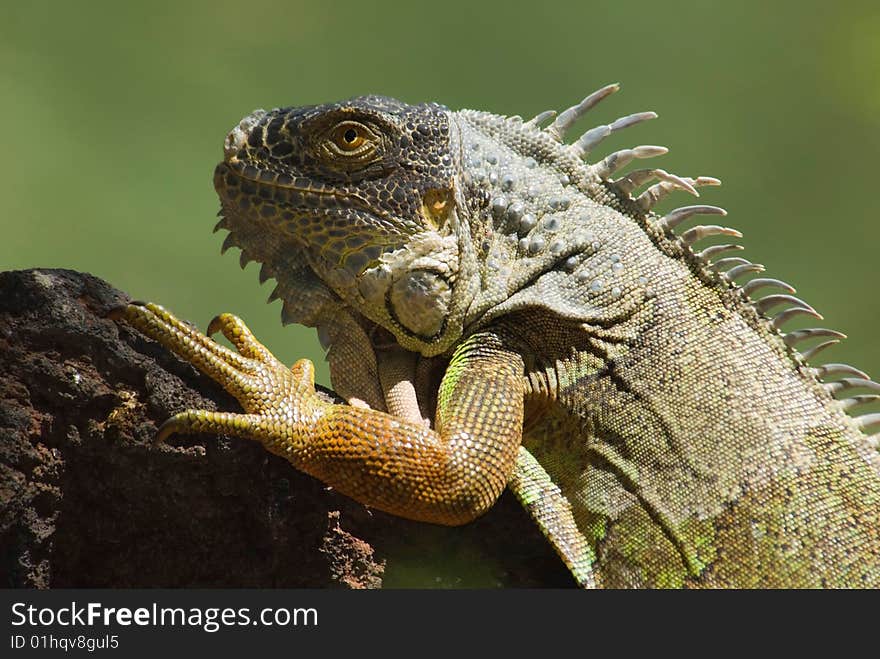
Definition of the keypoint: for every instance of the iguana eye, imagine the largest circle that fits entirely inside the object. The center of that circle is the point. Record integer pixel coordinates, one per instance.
(350, 138)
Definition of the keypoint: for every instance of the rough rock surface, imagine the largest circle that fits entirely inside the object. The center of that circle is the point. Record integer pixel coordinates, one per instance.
(87, 500)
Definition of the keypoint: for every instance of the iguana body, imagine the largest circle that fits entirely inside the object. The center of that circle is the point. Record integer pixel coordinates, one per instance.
(472, 269)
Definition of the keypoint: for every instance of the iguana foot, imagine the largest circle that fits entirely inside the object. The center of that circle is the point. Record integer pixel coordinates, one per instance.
(448, 476)
(275, 398)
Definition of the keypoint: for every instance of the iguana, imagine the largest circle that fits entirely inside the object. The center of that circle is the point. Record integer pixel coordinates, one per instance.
(498, 312)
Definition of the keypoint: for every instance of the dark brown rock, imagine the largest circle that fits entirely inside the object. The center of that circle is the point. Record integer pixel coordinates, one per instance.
(87, 500)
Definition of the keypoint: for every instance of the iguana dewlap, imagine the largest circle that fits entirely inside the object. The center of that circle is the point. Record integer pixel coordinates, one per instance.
(502, 309)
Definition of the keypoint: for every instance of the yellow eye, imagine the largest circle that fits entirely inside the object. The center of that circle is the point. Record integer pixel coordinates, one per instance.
(350, 144)
(349, 137)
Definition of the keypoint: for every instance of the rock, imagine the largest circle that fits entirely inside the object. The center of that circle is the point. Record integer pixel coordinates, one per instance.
(88, 500)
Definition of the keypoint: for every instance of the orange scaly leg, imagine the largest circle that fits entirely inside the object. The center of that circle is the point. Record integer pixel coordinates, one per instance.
(448, 475)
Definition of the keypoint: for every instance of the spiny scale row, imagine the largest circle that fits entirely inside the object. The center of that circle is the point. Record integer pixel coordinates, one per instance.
(730, 268)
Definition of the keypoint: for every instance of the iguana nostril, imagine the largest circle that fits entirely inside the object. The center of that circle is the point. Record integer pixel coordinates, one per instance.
(238, 136)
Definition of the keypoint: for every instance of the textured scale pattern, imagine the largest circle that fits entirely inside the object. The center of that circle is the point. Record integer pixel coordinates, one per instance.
(502, 308)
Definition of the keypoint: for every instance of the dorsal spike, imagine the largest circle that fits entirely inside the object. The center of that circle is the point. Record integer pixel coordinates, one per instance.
(695, 234)
(635, 179)
(765, 282)
(622, 158)
(784, 316)
(766, 303)
(868, 422)
(676, 181)
(850, 383)
(679, 215)
(565, 120)
(648, 151)
(639, 177)
(746, 268)
(653, 195)
(589, 140)
(721, 265)
(540, 118)
(222, 224)
(631, 120)
(835, 368)
(808, 355)
(856, 401)
(797, 336)
(243, 259)
(274, 295)
(711, 252)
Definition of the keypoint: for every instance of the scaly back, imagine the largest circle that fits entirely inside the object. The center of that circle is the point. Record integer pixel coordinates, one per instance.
(693, 440)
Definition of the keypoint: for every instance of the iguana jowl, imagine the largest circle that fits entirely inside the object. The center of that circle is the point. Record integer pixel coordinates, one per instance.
(476, 271)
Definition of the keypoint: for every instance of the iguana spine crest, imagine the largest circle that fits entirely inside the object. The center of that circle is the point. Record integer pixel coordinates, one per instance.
(725, 271)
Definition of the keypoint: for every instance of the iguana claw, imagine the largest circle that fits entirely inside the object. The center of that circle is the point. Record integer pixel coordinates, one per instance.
(395, 464)
(273, 396)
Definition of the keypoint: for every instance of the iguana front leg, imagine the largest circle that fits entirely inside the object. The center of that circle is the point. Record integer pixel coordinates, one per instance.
(529, 482)
(448, 475)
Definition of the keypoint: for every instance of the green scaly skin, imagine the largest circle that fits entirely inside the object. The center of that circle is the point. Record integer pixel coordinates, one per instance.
(473, 269)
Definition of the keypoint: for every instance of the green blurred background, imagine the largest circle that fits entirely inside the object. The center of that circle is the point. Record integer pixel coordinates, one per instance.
(115, 112)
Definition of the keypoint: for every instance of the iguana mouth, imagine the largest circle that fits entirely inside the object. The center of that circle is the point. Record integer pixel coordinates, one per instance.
(252, 191)
(270, 179)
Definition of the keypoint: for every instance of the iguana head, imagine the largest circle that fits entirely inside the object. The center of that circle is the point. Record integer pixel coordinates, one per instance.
(430, 223)
(363, 192)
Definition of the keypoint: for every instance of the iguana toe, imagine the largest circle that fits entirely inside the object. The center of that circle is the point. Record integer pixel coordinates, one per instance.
(273, 396)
